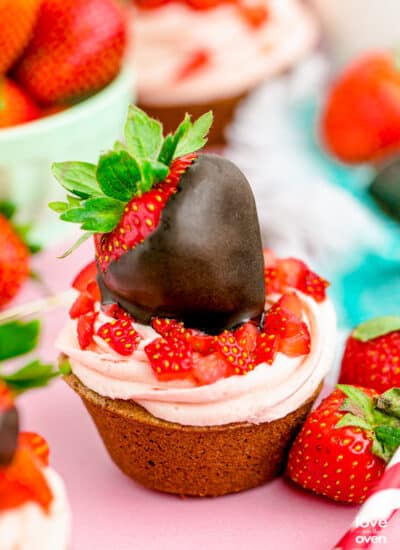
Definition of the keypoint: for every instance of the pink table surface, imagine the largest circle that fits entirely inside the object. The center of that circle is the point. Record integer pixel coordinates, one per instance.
(112, 512)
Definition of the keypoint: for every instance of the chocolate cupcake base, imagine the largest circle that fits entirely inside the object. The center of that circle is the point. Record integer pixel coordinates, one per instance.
(191, 460)
(172, 115)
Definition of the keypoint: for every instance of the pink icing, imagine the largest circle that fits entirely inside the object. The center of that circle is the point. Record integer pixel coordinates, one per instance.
(240, 56)
(265, 394)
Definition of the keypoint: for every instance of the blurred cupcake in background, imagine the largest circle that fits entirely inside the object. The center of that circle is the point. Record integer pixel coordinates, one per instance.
(197, 55)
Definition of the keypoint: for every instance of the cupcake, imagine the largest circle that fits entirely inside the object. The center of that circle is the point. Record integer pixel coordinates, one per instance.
(34, 513)
(199, 55)
(197, 356)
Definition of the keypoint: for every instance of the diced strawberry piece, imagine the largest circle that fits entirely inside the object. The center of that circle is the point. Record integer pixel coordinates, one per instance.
(93, 290)
(201, 343)
(85, 329)
(85, 276)
(313, 285)
(291, 272)
(116, 312)
(272, 282)
(82, 305)
(170, 328)
(170, 358)
(267, 348)
(246, 335)
(298, 344)
(23, 481)
(291, 302)
(197, 60)
(210, 368)
(120, 336)
(238, 359)
(37, 444)
(270, 260)
(205, 4)
(281, 322)
(254, 15)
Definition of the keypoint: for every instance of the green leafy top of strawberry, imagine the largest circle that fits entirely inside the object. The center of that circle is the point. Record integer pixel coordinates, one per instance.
(98, 194)
(16, 339)
(379, 417)
(376, 327)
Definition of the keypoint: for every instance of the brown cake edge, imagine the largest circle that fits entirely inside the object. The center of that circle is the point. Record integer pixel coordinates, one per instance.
(191, 460)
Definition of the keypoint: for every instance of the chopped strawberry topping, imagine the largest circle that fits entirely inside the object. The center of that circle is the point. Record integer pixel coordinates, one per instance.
(37, 444)
(238, 359)
(85, 276)
(267, 348)
(82, 305)
(209, 368)
(197, 60)
(170, 358)
(282, 274)
(120, 336)
(85, 329)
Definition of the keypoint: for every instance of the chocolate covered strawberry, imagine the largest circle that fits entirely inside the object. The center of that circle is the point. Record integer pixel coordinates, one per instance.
(344, 445)
(372, 354)
(76, 49)
(154, 206)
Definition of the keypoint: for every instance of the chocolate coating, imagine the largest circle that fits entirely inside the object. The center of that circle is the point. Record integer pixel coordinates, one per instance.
(9, 428)
(204, 263)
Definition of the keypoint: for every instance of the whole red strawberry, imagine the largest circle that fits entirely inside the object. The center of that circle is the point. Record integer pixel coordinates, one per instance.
(372, 355)
(76, 49)
(342, 449)
(17, 20)
(14, 261)
(16, 107)
(361, 118)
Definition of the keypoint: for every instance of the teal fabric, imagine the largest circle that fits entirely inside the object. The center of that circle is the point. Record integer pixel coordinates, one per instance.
(371, 287)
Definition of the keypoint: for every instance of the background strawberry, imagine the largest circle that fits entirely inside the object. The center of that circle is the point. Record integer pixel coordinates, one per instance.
(17, 19)
(76, 49)
(372, 355)
(361, 118)
(342, 449)
(14, 261)
(16, 107)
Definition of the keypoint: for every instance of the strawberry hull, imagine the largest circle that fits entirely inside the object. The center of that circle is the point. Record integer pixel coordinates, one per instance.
(203, 264)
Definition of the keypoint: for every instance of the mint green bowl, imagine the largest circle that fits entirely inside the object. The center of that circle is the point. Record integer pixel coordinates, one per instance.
(78, 133)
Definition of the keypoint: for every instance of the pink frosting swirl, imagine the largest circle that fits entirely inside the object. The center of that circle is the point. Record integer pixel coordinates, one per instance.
(240, 57)
(265, 394)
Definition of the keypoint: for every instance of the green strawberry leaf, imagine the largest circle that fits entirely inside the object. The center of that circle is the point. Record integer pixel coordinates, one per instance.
(77, 244)
(7, 209)
(350, 419)
(33, 375)
(58, 206)
(389, 436)
(389, 402)
(78, 178)
(376, 327)
(119, 146)
(379, 450)
(195, 136)
(17, 338)
(73, 202)
(171, 141)
(357, 403)
(143, 135)
(65, 367)
(99, 215)
(118, 175)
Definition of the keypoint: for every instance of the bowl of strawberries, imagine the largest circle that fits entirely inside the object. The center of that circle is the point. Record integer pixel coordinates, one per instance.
(64, 88)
